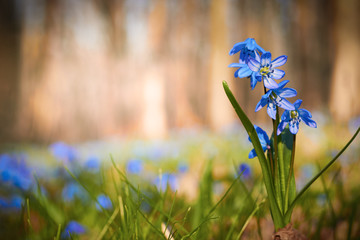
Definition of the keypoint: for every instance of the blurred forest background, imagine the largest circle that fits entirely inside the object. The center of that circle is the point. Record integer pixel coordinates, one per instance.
(83, 69)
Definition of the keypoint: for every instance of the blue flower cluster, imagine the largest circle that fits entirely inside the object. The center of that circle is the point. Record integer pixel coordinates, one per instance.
(257, 64)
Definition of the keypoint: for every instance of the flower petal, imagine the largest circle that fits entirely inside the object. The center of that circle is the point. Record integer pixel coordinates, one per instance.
(237, 65)
(253, 64)
(297, 103)
(285, 104)
(265, 59)
(257, 56)
(294, 127)
(263, 101)
(281, 127)
(305, 113)
(250, 44)
(309, 122)
(271, 110)
(270, 83)
(286, 92)
(279, 61)
(283, 83)
(285, 116)
(277, 74)
(252, 154)
(237, 47)
(244, 72)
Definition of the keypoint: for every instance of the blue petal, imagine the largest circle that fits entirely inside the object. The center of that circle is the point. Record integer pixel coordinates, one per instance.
(285, 116)
(283, 83)
(279, 61)
(250, 44)
(294, 127)
(263, 101)
(281, 127)
(253, 64)
(297, 103)
(287, 92)
(257, 56)
(277, 74)
(270, 83)
(252, 154)
(305, 113)
(253, 81)
(285, 104)
(244, 72)
(265, 58)
(309, 122)
(237, 47)
(237, 65)
(271, 110)
(263, 137)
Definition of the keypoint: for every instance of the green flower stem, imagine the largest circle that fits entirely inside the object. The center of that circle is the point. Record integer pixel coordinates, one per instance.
(291, 171)
(249, 127)
(278, 176)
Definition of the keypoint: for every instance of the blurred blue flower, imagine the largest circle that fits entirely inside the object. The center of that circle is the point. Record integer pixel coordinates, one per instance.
(73, 228)
(92, 163)
(276, 97)
(267, 68)
(264, 141)
(134, 166)
(166, 179)
(245, 170)
(104, 202)
(62, 152)
(294, 117)
(183, 167)
(12, 204)
(354, 124)
(247, 49)
(15, 172)
(72, 191)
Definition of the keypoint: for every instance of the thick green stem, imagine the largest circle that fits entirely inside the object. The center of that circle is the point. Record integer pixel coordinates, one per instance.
(291, 171)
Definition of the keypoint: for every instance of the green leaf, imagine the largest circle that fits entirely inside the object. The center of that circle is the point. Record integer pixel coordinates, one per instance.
(288, 213)
(285, 146)
(249, 127)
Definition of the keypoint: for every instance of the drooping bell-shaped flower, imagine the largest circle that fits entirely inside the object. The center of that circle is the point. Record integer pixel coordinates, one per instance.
(264, 141)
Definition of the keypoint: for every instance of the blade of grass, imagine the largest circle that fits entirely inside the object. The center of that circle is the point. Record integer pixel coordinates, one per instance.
(107, 225)
(58, 233)
(288, 213)
(249, 218)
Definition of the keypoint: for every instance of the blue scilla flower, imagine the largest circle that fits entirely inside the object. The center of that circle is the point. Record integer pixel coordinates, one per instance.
(264, 141)
(248, 48)
(72, 191)
(294, 117)
(162, 181)
(15, 172)
(245, 170)
(93, 163)
(134, 166)
(276, 97)
(267, 68)
(73, 228)
(104, 202)
(11, 204)
(62, 152)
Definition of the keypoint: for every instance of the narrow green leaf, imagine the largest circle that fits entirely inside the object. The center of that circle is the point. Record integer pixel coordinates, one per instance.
(249, 127)
(288, 213)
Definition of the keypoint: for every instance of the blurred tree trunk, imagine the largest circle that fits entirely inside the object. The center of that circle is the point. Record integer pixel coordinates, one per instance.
(220, 110)
(345, 86)
(10, 62)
